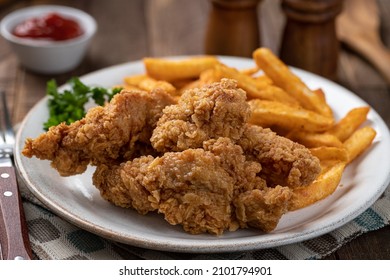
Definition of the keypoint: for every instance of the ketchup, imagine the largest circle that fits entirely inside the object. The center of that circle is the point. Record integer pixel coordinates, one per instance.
(51, 26)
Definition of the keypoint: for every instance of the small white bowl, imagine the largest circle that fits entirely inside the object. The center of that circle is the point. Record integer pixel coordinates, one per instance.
(45, 56)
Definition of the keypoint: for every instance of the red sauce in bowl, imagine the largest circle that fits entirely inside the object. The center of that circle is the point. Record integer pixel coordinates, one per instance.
(51, 26)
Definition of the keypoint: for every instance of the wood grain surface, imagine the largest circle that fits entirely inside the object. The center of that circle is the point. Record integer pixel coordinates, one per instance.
(131, 30)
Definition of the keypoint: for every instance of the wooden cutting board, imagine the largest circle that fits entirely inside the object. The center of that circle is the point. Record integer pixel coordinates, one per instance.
(358, 27)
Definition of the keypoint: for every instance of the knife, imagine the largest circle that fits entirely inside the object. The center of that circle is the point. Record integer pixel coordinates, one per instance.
(13, 233)
(15, 243)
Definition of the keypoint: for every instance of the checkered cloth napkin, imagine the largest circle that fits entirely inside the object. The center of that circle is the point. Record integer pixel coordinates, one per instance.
(53, 238)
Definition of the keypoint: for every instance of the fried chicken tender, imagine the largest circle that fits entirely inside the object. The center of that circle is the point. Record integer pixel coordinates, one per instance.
(221, 110)
(262, 208)
(104, 135)
(283, 161)
(205, 189)
(128, 193)
(198, 163)
(212, 111)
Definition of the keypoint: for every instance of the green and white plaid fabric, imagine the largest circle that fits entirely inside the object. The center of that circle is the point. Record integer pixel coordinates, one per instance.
(53, 238)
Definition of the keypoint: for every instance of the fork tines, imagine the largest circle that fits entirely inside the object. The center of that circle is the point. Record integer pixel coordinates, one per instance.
(7, 139)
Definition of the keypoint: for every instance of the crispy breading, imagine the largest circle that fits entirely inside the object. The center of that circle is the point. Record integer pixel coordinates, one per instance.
(125, 190)
(105, 135)
(262, 209)
(212, 111)
(283, 161)
(204, 190)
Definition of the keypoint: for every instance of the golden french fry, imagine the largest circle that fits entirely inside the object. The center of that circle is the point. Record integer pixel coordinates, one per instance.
(147, 83)
(127, 86)
(280, 74)
(250, 85)
(179, 84)
(359, 141)
(311, 139)
(135, 80)
(347, 125)
(194, 84)
(330, 153)
(250, 71)
(151, 84)
(262, 81)
(274, 93)
(209, 76)
(271, 113)
(320, 93)
(322, 187)
(170, 70)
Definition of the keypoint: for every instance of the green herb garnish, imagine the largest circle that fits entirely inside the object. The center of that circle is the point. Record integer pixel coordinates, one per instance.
(68, 106)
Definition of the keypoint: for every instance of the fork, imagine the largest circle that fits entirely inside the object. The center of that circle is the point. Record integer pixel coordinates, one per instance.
(13, 230)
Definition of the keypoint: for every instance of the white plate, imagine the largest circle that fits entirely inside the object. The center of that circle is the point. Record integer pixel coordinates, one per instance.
(76, 199)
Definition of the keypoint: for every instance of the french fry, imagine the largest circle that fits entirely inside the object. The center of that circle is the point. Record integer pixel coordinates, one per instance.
(170, 70)
(274, 93)
(280, 74)
(311, 140)
(347, 125)
(320, 93)
(271, 113)
(179, 84)
(194, 84)
(151, 84)
(359, 141)
(322, 187)
(147, 83)
(330, 153)
(209, 76)
(250, 85)
(250, 71)
(262, 81)
(135, 80)
(126, 86)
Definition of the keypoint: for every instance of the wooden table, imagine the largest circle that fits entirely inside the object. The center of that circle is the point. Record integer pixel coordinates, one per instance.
(130, 30)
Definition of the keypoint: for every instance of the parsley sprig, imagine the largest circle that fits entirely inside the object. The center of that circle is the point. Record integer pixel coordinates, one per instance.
(69, 106)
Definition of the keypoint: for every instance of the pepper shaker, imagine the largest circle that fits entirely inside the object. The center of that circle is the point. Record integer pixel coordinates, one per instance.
(233, 28)
(309, 39)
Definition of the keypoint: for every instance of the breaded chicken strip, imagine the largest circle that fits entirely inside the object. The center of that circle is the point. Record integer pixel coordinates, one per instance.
(125, 189)
(221, 110)
(104, 135)
(212, 111)
(262, 208)
(283, 161)
(204, 190)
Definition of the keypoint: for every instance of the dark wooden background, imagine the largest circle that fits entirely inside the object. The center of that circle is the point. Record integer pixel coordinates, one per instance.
(132, 29)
